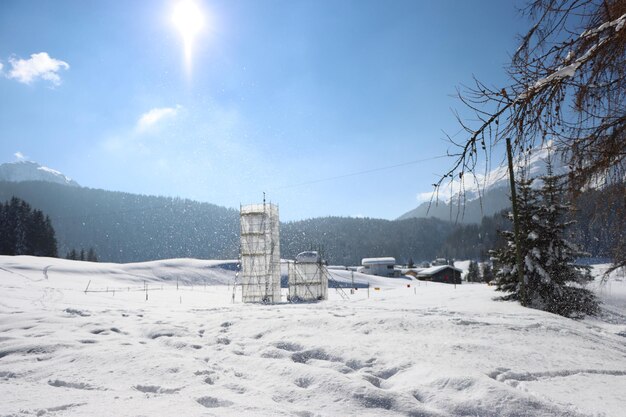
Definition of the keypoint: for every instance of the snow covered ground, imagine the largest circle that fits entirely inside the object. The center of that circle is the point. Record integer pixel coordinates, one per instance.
(424, 350)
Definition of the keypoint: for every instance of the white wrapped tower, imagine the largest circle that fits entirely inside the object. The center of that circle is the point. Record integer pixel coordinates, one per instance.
(260, 253)
(308, 278)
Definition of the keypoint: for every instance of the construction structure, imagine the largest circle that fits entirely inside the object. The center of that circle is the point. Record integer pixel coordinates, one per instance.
(260, 253)
(308, 278)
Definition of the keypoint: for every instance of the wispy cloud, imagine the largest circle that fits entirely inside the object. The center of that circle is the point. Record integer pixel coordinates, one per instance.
(152, 117)
(20, 156)
(39, 66)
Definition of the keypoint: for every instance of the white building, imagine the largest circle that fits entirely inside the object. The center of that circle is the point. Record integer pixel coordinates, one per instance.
(383, 267)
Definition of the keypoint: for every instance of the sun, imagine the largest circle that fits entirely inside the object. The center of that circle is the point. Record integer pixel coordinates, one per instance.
(188, 18)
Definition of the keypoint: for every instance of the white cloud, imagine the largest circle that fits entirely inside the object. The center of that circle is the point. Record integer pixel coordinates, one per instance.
(1, 66)
(154, 116)
(39, 66)
(19, 156)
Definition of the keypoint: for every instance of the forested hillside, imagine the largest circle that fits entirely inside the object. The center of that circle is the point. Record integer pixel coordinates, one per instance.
(123, 227)
(345, 240)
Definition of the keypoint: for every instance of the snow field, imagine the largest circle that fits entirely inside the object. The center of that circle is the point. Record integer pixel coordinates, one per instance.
(427, 350)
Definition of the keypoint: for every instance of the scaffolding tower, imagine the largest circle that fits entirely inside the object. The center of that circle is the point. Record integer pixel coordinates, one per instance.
(308, 278)
(260, 253)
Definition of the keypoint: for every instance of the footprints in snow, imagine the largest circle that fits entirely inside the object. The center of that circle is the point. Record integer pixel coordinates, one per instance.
(223, 341)
(288, 346)
(155, 389)
(76, 312)
(210, 377)
(383, 401)
(155, 334)
(6, 375)
(212, 402)
(303, 382)
(308, 356)
(63, 407)
(74, 385)
(513, 378)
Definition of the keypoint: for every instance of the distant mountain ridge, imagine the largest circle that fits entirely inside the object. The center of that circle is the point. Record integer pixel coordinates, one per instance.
(488, 195)
(472, 211)
(124, 227)
(31, 171)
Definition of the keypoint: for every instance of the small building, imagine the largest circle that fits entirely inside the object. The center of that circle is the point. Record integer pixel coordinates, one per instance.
(439, 262)
(446, 274)
(410, 272)
(383, 267)
(337, 268)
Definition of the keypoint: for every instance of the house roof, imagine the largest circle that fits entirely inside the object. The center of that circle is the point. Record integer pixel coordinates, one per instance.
(308, 257)
(434, 269)
(378, 261)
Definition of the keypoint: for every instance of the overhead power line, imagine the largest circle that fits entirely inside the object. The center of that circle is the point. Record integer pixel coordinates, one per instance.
(353, 174)
(171, 204)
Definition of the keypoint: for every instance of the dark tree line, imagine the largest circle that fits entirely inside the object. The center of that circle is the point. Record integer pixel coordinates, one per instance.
(131, 228)
(596, 226)
(474, 241)
(345, 240)
(124, 227)
(24, 231)
(75, 255)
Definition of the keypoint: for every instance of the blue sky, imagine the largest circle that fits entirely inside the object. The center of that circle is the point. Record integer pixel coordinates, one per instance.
(278, 94)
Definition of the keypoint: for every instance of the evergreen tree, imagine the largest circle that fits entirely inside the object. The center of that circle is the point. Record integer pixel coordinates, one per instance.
(473, 274)
(24, 231)
(82, 254)
(50, 241)
(72, 255)
(91, 255)
(19, 210)
(4, 230)
(487, 272)
(504, 258)
(553, 280)
(558, 284)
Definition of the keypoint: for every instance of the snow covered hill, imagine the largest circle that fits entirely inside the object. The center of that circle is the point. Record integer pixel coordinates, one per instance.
(424, 350)
(485, 196)
(32, 171)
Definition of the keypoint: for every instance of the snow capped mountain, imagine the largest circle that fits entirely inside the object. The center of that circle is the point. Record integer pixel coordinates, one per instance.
(31, 171)
(484, 194)
(534, 165)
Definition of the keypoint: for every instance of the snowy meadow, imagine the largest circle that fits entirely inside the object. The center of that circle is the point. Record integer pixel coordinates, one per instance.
(410, 348)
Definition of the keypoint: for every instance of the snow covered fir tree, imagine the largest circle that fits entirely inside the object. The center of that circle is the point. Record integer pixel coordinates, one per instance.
(487, 272)
(473, 273)
(553, 281)
(504, 258)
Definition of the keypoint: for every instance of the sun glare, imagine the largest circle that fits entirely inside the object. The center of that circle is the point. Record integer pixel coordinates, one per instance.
(189, 20)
